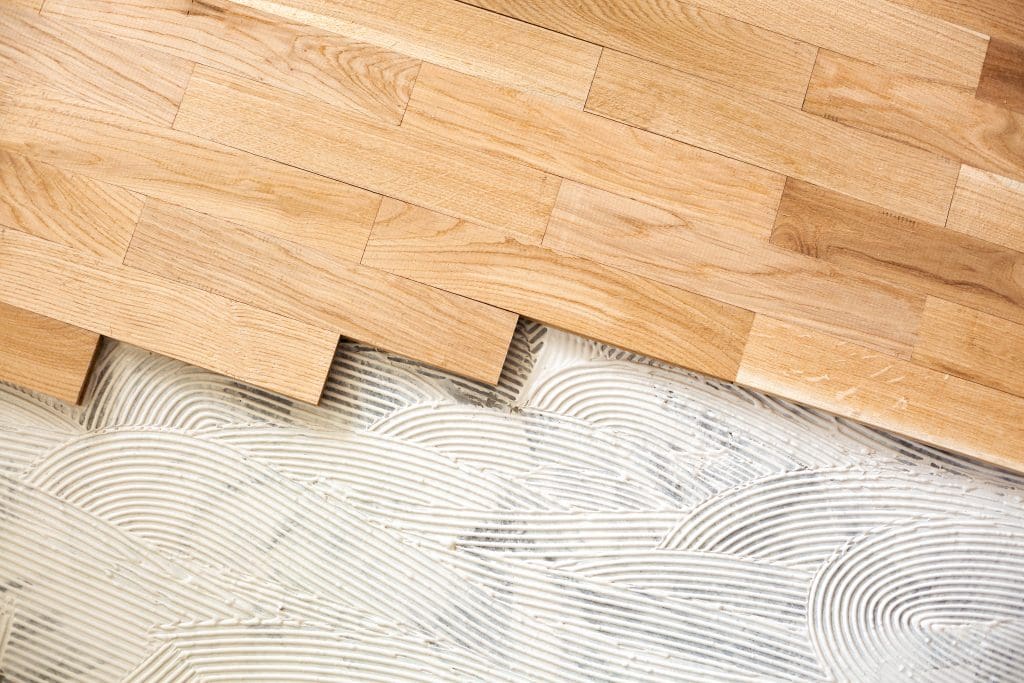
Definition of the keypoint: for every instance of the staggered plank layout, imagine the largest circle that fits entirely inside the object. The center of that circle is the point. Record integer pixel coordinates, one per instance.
(824, 201)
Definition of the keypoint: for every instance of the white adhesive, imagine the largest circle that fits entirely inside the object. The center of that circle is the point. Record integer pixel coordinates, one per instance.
(597, 517)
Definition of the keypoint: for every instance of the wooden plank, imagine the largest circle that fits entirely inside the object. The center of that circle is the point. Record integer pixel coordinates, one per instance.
(558, 289)
(680, 36)
(876, 31)
(180, 168)
(590, 149)
(732, 267)
(859, 383)
(244, 342)
(988, 207)
(459, 37)
(973, 345)
(355, 76)
(937, 117)
(1002, 77)
(26, 4)
(45, 355)
(362, 303)
(38, 54)
(69, 209)
(771, 135)
(998, 18)
(917, 257)
(401, 163)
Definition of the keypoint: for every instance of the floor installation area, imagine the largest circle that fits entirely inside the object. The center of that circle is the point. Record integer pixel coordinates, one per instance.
(819, 201)
(511, 340)
(596, 516)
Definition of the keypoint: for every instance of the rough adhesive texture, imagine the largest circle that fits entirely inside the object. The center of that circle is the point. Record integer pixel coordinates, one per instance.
(596, 516)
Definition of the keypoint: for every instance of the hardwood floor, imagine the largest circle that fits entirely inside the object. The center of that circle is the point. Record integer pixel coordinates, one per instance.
(825, 202)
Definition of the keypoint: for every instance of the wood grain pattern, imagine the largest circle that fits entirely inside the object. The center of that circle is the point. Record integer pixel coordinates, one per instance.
(45, 355)
(894, 394)
(915, 256)
(558, 289)
(1000, 18)
(361, 303)
(680, 36)
(876, 31)
(590, 149)
(391, 161)
(355, 76)
(459, 37)
(780, 138)
(38, 54)
(69, 209)
(1002, 76)
(973, 345)
(731, 267)
(249, 344)
(180, 168)
(938, 117)
(989, 207)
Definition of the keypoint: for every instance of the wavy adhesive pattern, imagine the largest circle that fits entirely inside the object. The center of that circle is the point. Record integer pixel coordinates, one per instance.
(596, 517)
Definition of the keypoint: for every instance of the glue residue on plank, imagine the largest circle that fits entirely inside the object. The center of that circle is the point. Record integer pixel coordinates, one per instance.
(596, 516)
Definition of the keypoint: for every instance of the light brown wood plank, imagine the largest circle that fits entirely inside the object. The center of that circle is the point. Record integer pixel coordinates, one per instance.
(355, 76)
(441, 175)
(180, 168)
(38, 54)
(771, 135)
(876, 31)
(45, 355)
(937, 117)
(915, 256)
(680, 36)
(989, 207)
(1001, 18)
(361, 303)
(558, 289)
(457, 36)
(843, 378)
(69, 209)
(590, 149)
(1002, 77)
(26, 4)
(244, 342)
(732, 267)
(973, 345)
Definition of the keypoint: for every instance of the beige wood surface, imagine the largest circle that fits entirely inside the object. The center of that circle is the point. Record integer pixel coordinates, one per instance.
(78, 212)
(773, 136)
(38, 54)
(941, 118)
(356, 76)
(459, 37)
(558, 289)
(591, 149)
(876, 31)
(361, 303)
(916, 257)
(650, 173)
(45, 355)
(989, 207)
(680, 36)
(383, 158)
(731, 266)
(1002, 18)
(253, 345)
(973, 345)
(193, 172)
(867, 385)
